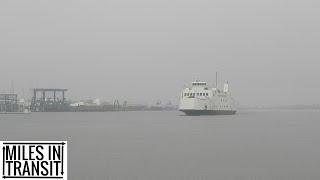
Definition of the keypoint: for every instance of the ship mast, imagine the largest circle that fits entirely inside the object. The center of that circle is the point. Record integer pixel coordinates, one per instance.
(216, 80)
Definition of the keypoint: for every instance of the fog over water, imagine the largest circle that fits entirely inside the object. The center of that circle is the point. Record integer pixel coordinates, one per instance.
(145, 50)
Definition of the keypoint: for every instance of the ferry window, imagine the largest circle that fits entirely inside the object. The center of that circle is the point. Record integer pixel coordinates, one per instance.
(197, 94)
(200, 94)
(207, 94)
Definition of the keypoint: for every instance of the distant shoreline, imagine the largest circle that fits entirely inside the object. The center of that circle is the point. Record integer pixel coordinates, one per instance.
(285, 107)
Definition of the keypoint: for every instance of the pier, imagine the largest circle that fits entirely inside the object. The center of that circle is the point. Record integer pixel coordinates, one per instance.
(9, 103)
(49, 100)
(55, 100)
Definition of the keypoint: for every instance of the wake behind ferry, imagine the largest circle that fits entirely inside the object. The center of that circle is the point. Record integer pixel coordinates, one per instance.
(200, 99)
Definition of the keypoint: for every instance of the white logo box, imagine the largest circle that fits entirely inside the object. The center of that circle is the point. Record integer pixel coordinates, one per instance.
(34, 160)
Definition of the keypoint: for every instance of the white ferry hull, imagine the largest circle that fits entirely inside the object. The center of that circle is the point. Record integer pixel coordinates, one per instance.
(189, 112)
(200, 99)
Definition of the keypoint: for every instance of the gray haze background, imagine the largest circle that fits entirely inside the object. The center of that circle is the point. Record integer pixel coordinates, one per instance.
(145, 50)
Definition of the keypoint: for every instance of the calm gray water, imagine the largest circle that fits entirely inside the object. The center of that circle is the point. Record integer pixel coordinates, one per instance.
(252, 145)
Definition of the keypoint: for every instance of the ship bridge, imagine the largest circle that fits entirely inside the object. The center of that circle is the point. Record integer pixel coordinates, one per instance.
(197, 83)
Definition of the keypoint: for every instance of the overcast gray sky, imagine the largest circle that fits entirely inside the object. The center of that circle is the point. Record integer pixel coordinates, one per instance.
(144, 50)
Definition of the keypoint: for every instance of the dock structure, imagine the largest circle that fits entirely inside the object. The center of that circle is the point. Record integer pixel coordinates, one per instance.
(9, 103)
(49, 100)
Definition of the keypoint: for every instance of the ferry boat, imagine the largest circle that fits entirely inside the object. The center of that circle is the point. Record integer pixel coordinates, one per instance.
(200, 99)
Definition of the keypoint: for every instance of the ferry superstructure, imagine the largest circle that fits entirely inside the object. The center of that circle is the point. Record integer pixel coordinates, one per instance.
(200, 99)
